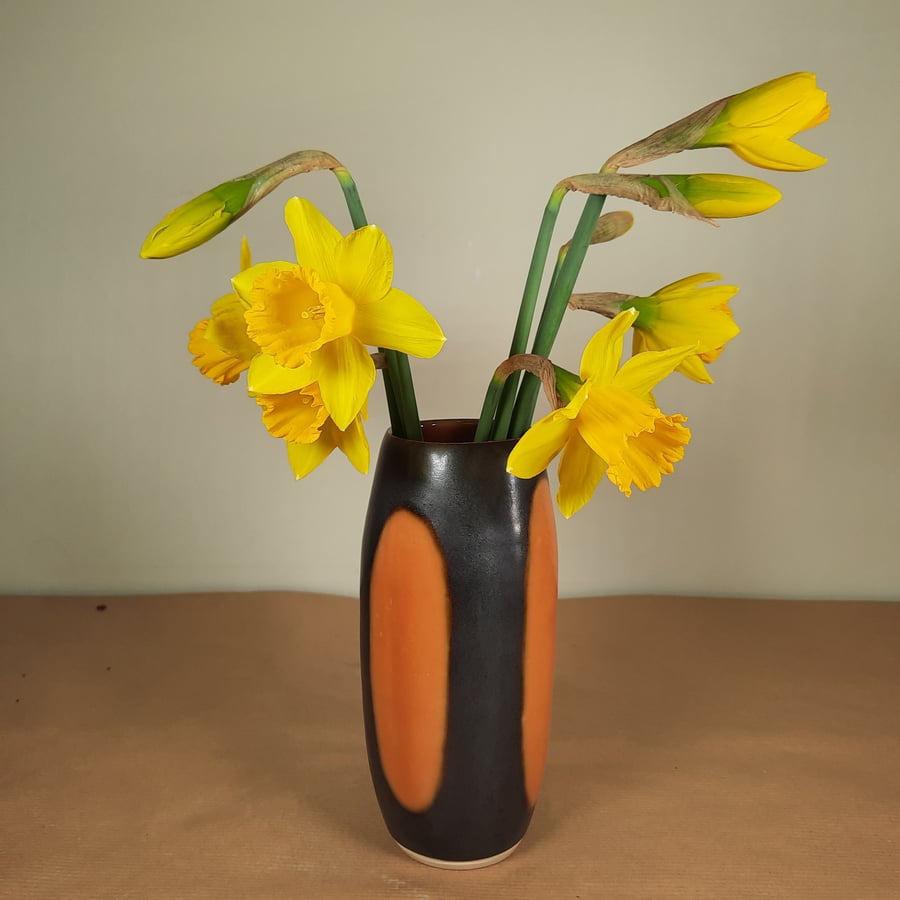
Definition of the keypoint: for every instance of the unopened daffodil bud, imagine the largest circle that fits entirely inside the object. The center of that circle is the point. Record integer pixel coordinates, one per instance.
(202, 218)
(195, 222)
(717, 196)
(757, 124)
(609, 226)
(705, 196)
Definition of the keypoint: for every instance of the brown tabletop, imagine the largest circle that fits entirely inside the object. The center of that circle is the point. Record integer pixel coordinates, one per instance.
(211, 746)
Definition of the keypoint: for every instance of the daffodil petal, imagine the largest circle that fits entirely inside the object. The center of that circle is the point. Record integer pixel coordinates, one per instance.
(685, 285)
(580, 471)
(780, 155)
(353, 444)
(315, 238)
(792, 98)
(702, 321)
(267, 377)
(399, 322)
(246, 256)
(535, 450)
(603, 352)
(709, 356)
(693, 368)
(642, 341)
(823, 115)
(640, 374)
(304, 458)
(364, 263)
(346, 373)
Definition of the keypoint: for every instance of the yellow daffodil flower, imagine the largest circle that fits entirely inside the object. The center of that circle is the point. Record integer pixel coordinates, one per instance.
(610, 426)
(222, 350)
(688, 311)
(758, 124)
(313, 319)
(219, 344)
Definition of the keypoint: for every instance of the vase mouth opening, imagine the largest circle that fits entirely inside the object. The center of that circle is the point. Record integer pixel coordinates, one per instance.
(446, 431)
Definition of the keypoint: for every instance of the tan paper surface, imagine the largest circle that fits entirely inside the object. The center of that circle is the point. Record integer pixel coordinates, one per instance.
(211, 746)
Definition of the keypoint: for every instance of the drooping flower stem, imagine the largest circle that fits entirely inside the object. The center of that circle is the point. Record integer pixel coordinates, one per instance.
(351, 196)
(398, 384)
(554, 309)
(539, 366)
(523, 322)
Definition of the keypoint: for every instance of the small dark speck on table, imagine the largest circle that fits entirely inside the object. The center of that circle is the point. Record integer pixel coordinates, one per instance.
(100, 607)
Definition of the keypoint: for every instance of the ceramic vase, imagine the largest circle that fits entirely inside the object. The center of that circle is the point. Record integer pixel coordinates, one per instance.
(458, 610)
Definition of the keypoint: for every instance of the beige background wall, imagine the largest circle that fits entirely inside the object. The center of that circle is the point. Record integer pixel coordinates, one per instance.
(124, 470)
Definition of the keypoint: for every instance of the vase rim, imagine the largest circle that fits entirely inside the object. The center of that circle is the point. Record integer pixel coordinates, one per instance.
(450, 431)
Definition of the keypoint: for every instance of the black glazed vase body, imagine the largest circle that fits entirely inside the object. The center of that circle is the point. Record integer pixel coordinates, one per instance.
(457, 612)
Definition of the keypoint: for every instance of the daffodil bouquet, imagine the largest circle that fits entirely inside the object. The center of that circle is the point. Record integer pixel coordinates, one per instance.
(311, 334)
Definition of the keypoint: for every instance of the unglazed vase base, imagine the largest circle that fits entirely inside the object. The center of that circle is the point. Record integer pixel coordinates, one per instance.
(459, 865)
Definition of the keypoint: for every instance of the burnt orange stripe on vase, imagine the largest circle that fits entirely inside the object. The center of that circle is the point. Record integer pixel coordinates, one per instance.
(409, 645)
(540, 637)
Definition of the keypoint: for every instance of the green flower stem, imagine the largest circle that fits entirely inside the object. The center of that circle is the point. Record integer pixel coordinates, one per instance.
(351, 196)
(491, 399)
(554, 309)
(401, 384)
(398, 384)
(560, 259)
(504, 407)
(390, 395)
